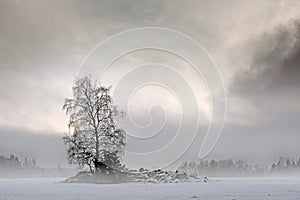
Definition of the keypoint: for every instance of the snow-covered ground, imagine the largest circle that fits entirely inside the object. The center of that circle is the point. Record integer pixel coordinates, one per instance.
(219, 189)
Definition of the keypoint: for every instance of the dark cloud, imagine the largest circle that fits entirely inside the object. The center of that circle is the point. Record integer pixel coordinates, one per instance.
(274, 61)
(270, 83)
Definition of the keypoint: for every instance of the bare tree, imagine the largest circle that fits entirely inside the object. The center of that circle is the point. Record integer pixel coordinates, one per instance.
(95, 138)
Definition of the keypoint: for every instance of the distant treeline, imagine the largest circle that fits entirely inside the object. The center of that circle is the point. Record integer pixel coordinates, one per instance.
(13, 162)
(285, 164)
(13, 167)
(230, 167)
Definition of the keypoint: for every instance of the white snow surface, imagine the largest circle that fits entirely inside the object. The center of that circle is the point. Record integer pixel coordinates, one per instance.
(216, 188)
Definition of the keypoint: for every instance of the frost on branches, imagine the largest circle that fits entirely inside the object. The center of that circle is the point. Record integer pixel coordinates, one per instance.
(95, 139)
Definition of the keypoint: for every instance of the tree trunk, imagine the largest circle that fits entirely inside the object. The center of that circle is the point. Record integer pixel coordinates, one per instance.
(97, 153)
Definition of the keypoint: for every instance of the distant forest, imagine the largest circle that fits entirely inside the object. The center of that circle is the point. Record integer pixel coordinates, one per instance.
(12, 166)
(13, 162)
(229, 167)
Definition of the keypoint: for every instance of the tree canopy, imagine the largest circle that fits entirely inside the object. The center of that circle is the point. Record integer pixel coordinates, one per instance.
(95, 136)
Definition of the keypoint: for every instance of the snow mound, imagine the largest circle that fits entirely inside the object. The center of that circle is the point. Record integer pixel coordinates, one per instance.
(155, 176)
(99, 178)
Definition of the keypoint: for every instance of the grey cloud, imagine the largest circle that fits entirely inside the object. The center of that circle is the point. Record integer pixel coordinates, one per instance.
(274, 60)
(42, 44)
(269, 85)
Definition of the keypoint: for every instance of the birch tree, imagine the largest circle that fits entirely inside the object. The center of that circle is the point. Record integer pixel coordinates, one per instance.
(95, 138)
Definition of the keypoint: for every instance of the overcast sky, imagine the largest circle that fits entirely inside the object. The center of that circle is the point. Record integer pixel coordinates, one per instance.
(255, 44)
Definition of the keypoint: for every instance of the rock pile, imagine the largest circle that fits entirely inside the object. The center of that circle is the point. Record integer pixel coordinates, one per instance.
(160, 176)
